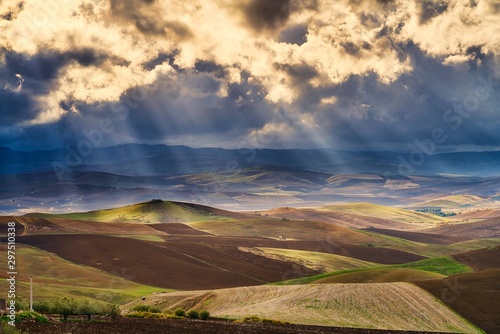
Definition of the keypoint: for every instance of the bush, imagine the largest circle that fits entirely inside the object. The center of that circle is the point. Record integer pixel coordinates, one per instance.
(180, 312)
(154, 310)
(204, 315)
(88, 309)
(65, 307)
(30, 316)
(193, 314)
(42, 307)
(140, 308)
(111, 310)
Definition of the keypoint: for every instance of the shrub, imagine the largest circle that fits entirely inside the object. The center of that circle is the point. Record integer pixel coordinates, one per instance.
(65, 307)
(30, 316)
(42, 307)
(111, 310)
(154, 310)
(88, 309)
(204, 315)
(180, 312)
(193, 314)
(140, 308)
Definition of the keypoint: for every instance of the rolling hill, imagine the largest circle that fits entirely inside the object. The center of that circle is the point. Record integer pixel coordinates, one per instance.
(55, 277)
(175, 266)
(488, 228)
(151, 212)
(381, 275)
(475, 296)
(395, 306)
(455, 202)
(480, 259)
(386, 212)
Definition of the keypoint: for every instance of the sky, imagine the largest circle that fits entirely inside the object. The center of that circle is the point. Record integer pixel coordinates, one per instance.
(350, 75)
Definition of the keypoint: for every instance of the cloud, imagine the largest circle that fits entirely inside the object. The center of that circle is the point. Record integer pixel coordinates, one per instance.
(267, 14)
(430, 9)
(304, 73)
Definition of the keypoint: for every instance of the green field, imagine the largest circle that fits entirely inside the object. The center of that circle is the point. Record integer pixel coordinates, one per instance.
(442, 266)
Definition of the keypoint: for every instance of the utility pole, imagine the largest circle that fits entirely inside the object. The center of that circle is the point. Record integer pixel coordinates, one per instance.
(31, 293)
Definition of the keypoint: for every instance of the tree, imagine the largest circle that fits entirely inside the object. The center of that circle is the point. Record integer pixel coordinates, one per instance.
(179, 312)
(112, 310)
(204, 315)
(193, 314)
(65, 307)
(86, 308)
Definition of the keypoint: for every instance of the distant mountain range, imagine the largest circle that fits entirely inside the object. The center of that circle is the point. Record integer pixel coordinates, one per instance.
(162, 160)
(86, 178)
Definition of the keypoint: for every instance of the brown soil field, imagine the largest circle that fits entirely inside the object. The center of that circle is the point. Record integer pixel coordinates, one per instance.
(489, 228)
(176, 326)
(428, 238)
(339, 218)
(32, 226)
(290, 229)
(475, 296)
(365, 253)
(182, 266)
(177, 229)
(480, 259)
(479, 214)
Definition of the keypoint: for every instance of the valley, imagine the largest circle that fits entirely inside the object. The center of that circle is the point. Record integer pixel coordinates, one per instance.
(269, 264)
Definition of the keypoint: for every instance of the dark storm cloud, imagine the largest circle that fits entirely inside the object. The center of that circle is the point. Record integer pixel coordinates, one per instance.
(168, 57)
(38, 73)
(16, 107)
(206, 66)
(172, 112)
(272, 14)
(396, 115)
(45, 66)
(296, 34)
(430, 9)
(267, 14)
(478, 55)
(11, 13)
(350, 48)
(164, 110)
(147, 18)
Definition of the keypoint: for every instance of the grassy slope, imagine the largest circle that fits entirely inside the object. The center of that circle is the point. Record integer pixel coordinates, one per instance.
(55, 277)
(396, 306)
(431, 250)
(290, 229)
(385, 212)
(315, 260)
(146, 213)
(381, 275)
(452, 202)
(440, 265)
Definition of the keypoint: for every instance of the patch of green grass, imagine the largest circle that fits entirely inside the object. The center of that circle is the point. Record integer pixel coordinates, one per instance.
(443, 265)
